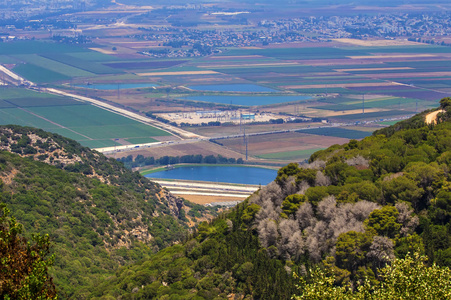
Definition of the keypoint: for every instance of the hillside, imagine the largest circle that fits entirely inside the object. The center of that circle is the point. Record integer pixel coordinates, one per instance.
(351, 211)
(99, 215)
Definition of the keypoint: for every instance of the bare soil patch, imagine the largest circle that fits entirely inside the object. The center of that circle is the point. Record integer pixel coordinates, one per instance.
(200, 199)
(431, 118)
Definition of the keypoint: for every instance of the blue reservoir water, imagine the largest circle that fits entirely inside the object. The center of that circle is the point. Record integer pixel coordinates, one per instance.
(243, 175)
(232, 88)
(111, 86)
(247, 100)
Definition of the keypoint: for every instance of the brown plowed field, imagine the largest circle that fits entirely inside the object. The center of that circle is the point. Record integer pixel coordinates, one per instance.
(282, 142)
(204, 148)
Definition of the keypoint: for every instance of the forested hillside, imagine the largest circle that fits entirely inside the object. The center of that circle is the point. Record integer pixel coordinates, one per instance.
(98, 214)
(351, 211)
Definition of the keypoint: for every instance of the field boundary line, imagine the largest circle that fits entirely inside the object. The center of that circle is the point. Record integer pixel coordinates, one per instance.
(51, 122)
(121, 111)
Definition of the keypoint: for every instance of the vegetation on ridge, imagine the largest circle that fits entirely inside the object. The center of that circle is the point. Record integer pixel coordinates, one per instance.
(98, 214)
(23, 264)
(355, 211)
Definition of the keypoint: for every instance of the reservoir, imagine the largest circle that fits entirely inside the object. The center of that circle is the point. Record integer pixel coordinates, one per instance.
(112, 86)
(226, 174)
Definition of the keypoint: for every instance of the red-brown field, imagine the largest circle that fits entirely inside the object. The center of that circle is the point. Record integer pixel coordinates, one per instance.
(281, 142)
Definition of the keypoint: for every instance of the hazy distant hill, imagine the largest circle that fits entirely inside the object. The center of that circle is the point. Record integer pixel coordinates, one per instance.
(351, 210)
(99, 214)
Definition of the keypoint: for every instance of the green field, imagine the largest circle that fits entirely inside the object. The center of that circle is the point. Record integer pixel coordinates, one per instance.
(4, 59)
(352, 104)
(90, 125)
(8, 93)
(93, 56)
(290, 155)
(389, 123)
(38, 74)
(47, 62)
(35, 47)
(89, 66)
(53, 65)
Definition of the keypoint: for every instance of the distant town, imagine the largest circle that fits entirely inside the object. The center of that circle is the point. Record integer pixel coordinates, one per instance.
(173, 40)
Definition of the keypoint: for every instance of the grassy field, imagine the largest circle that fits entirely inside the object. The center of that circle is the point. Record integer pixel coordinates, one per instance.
(386, 102)
(37, 47)
(4, 59)
(90, 125)
(38, 74)
(53, 65)
(89, 66)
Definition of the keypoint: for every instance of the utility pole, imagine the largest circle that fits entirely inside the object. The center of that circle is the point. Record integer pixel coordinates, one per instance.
(245, 138)
(363, 104)
(241, 118)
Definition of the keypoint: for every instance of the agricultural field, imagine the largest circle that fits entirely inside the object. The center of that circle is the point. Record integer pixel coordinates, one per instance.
(337, 132)
(281, 146)
(91, 126)
(338, 82)
(202, 147)
(290, 155)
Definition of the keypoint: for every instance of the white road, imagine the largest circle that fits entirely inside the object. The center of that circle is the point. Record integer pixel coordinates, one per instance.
(127, 113)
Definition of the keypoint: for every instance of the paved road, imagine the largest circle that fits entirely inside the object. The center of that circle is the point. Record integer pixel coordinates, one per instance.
(185, 136)
(127, 113)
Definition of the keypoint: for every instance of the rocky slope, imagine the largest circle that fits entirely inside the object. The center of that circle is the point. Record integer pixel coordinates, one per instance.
(99, 214)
